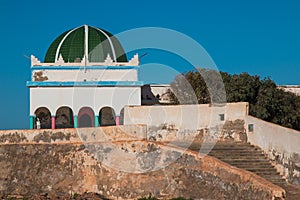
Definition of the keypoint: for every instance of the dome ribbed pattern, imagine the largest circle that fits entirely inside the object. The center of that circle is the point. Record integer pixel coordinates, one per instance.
(88, 41)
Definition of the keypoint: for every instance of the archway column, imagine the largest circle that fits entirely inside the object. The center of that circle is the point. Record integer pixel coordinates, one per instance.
(96, 120)
(75, 121)
(117, 120)
(31, 122)
(53, 122)
(100, 119)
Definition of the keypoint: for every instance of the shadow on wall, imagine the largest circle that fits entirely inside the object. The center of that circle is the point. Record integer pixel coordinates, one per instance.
(148, 98)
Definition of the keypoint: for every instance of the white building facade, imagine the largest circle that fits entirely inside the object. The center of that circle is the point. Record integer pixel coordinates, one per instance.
(84, 81)
(291, 88)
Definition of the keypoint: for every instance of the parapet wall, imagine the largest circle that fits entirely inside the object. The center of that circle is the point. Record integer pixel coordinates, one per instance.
(189, 117)
(281, 144)
(189, 122)
(118, 163)
(79, 135)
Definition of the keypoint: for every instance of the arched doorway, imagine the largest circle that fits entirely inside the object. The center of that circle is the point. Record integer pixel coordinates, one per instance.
(64, 118)
(44, 116)
(86, 117)
(107, 117)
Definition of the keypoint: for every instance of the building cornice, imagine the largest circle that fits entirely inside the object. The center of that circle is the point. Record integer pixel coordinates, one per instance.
(85, 84)
(72, 67)
(134, 61)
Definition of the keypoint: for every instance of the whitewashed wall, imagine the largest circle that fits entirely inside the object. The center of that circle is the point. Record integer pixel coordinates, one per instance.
(88, 75)
(78, 97)
(281, 144)
(185, 116)
(272, 136)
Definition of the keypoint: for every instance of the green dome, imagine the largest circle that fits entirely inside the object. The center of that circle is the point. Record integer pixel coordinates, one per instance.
(88, 41)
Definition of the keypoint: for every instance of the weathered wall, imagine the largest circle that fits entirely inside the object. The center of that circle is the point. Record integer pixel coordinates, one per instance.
(117, 165)
(228, 131)
(185, 122)
(185, 116)
(281, 144)
(79, 135)
(87, 75)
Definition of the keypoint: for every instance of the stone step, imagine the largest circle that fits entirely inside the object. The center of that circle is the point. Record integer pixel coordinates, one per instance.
(266, 175)
(224, 148)
(234, 150)
(270, 170)
(221, 144)
(272, 176)
(231, 152)
(227, 150)
(245, 151)
(248, 157)
(242, 160)
(251, 158)
(233, 144)
(279, 183)
(275, 180)
(292, 191)
(239, 157)
(244, 156)
(252, 164)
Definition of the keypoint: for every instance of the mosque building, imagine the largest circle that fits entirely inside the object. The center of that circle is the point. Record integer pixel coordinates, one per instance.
(85, 80)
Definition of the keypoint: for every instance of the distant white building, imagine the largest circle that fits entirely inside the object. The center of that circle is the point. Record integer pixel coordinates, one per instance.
(155, 94)
(291, 88)
(84, 81)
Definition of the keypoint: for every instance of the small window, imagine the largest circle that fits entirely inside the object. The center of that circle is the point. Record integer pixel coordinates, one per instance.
(250, 127)
(222, 117)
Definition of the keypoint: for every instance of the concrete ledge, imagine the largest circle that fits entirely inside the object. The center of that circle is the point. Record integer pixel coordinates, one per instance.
(58, 136)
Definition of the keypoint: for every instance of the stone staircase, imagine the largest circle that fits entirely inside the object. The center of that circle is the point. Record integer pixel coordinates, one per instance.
(250, 158)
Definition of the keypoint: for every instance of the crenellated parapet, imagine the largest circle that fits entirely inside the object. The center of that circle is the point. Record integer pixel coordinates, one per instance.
(134, 61)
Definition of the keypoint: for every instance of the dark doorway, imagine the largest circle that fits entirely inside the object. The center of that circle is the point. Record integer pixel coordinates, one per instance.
(64, 118)
(86, 117)
(44, 116)
(107, 117)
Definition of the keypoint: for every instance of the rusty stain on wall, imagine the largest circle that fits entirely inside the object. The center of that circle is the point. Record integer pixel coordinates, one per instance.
(229, 131)
(39, 76)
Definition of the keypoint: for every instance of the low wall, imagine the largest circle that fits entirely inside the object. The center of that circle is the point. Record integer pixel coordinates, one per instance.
(185, 116)
(79, 135)
(121, 166)
(189, 122)
(281, 144)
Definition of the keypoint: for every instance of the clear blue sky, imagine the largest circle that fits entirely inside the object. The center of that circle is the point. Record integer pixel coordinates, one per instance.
(259, 36)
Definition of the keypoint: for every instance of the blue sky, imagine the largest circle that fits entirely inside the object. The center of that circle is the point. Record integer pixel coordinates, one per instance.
(259, 37)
